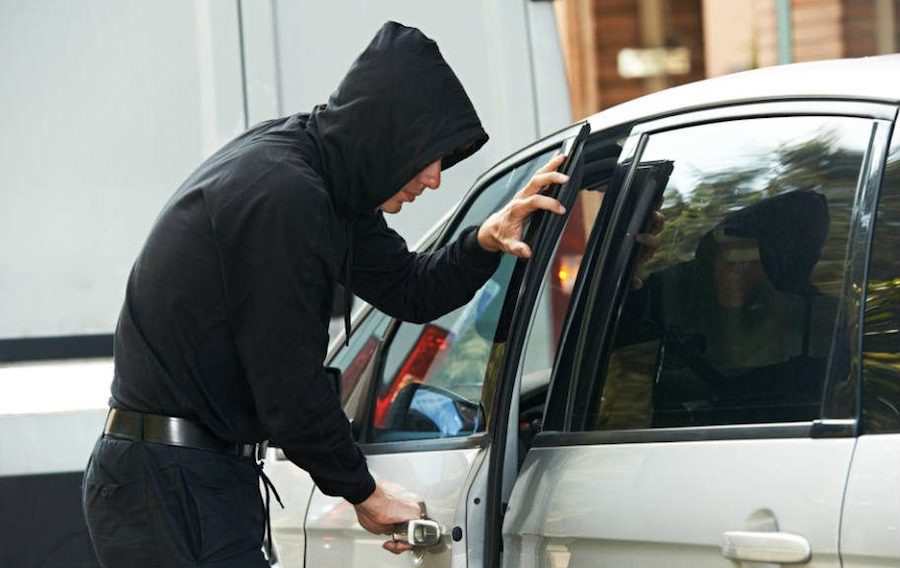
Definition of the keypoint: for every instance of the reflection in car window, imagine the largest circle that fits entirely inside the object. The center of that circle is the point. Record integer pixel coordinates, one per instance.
(434, 373)
(736, 319)
(881, 339)
(354, 359)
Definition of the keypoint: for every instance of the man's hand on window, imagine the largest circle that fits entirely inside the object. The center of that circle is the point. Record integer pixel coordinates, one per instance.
(503, 230)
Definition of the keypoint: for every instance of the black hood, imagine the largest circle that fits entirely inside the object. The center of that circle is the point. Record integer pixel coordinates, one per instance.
(399, 108)
(790, 230)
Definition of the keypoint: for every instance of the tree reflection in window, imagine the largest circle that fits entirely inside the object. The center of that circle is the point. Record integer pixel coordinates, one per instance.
(688, 350)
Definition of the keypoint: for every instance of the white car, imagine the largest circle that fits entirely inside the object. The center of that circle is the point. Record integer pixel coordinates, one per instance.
(741, 408)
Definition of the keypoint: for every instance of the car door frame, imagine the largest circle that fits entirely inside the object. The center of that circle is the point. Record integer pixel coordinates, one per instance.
(375, 366)
(873, 474)
(545, 240)
(478, 439)
(573, 367)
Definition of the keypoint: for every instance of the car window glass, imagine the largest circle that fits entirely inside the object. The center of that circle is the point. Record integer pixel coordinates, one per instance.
(736, 318)
(881, 338)
(557, 286)
(551, 308)
(353, 359)
(434, 373)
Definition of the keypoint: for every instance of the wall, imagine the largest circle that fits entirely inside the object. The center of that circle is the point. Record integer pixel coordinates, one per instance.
(595, 31)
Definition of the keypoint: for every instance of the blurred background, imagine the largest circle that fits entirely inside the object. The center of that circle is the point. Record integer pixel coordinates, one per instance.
(107, 105)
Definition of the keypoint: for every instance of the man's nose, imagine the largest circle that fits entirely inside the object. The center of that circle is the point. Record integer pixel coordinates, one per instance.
(431, 176)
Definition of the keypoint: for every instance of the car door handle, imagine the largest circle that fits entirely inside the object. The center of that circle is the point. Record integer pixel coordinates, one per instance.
(420, 533)
(774, 547)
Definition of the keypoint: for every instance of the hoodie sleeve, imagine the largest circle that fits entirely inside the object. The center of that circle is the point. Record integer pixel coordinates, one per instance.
(280, 285)
(416, 287)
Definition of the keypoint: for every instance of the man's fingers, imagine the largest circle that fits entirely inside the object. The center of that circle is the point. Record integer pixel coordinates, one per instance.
(657, 223)
(544, 202)
(553, 164)
(396, 547)
(650, 241)
(516, 247)
(540, 181)
(376, 527)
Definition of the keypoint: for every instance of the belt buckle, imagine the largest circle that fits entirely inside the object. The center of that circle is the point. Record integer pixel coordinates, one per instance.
(261, 449)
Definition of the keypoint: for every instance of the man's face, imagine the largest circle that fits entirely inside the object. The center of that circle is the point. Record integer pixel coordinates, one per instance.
(430, 177)
(738, 273)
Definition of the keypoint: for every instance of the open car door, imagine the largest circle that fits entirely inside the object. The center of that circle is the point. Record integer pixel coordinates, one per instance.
(422, 399)
(708, 418)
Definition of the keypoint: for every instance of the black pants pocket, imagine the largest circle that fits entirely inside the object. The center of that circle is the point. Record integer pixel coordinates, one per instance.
(224, 497)
(115, 509)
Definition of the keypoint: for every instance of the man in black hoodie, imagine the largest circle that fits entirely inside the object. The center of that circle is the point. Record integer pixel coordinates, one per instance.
(223, 333)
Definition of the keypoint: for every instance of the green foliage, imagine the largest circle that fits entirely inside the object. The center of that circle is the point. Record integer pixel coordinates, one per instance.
(819, 164)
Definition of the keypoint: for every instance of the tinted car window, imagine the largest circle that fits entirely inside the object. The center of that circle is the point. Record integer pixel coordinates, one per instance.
(550, 312)
(881, 339)
(736, 320)
(556, 291)
(433, 384)
(354, 359)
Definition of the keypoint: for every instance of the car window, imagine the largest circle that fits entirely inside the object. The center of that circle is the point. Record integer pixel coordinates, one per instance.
(736, 321)
(354, 359)
(550, 312)
(433, 383)
(558, 284)
(881, 337)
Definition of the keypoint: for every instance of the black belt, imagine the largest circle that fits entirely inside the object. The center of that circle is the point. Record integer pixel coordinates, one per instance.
(172, 431)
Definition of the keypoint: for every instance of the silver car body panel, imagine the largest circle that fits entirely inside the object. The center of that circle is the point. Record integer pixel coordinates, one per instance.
(668, 504)
(294, 486)
(870, 532)
(439, 478)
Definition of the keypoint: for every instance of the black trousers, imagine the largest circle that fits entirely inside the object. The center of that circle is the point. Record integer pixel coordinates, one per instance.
(155, 505)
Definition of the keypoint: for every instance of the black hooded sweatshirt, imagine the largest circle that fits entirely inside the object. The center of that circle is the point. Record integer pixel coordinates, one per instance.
(227, 306)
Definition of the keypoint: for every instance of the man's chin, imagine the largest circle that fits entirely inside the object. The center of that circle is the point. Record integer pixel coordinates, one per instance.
(391, 208)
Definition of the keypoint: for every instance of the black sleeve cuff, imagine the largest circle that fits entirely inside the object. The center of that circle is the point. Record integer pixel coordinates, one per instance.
(476, 255)
(362, 493)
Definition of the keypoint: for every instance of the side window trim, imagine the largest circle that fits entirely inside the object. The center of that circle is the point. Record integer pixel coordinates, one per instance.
(575, 346)
(696, 434)
(853, 292)
(860, 236)
(865, 219)
(846, 108)
(527, 277)
(571, 355)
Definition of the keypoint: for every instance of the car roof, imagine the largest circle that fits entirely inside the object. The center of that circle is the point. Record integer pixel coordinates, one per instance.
(863, 79)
